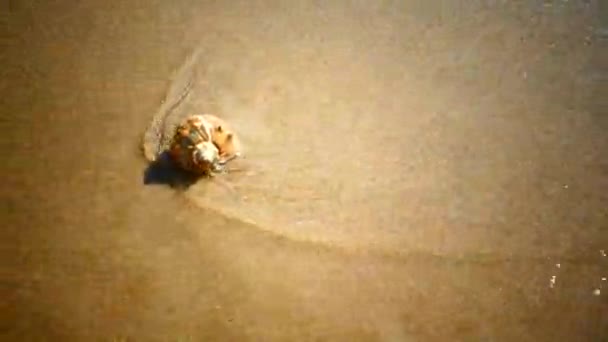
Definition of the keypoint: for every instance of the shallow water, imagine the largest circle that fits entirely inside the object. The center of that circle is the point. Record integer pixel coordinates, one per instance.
(413, 172)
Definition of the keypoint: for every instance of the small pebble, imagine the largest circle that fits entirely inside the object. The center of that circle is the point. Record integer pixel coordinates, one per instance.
(602, 252)
(558, 265)
(552, 282)
(603, 278)
(596, 292)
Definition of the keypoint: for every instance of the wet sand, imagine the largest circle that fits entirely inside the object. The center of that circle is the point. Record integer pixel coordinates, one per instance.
(469, 202)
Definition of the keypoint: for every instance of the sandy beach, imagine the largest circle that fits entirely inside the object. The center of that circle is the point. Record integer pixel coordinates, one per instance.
(413, 171)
